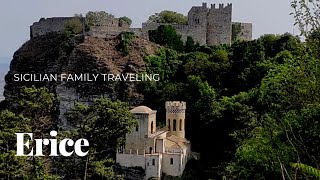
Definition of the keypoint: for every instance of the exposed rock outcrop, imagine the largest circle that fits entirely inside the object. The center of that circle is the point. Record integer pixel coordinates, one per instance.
(56, 54)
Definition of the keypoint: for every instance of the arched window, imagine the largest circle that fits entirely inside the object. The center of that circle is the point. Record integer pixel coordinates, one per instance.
(174, 125)
(137, 128)
(152, 127)
(153, 162)
(150, 149)
(180, 127)
(169, 125)
(171, 161)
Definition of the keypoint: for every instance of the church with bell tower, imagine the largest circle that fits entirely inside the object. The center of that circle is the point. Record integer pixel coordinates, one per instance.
(157, 150)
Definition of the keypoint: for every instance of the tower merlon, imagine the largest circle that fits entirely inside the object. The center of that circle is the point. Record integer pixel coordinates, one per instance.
(221, 6)
(176, 105)
(204, 5)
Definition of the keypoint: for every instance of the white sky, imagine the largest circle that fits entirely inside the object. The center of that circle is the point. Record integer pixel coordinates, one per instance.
(267, 16)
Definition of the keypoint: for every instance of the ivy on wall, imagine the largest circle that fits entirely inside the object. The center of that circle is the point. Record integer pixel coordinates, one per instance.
(236, 29)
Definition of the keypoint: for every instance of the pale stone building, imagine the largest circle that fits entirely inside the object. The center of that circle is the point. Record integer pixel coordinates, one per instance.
(156, 150)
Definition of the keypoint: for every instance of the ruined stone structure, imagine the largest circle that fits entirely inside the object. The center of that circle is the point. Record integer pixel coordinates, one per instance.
(242, 31)
(109, 28)
(207, 26)
(156, 150)
(48, 25)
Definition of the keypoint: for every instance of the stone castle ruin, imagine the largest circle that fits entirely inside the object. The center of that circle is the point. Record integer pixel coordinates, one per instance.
(207, 26)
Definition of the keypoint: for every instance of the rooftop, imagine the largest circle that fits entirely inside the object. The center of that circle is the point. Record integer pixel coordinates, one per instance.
(141, 109)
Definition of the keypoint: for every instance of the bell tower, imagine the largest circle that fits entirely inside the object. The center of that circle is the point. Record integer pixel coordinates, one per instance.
(175, 118)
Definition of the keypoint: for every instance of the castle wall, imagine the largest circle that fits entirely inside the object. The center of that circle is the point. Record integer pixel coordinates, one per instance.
(197, 22)
(131, 160)
(55, 24)
(136, 139)
(207, 26)
(174, 169)
(153, 166)
(109, 28)
(107, 31)
(183, 30)
(246, 31)
(219, 25)
(146, 27)
(136, 31)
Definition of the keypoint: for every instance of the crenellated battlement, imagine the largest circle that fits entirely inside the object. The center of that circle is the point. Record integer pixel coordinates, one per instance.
(176, 105)
(221, 6)
(206, 25)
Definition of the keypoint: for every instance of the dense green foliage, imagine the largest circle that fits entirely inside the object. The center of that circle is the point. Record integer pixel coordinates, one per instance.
(72, 27)
(258, 101)
(104, 124)
(35, 107)
(166, 35)
(125, 39)
(168, 17)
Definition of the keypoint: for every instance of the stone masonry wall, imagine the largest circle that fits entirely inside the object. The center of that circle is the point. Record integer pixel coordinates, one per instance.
(184, 30)
(246, 31)
(207, 26)
(219, 25)
(45, 26)
(197, 22)
(110, 27)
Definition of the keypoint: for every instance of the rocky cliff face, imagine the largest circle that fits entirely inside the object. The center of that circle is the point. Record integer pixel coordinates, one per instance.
(55, 54)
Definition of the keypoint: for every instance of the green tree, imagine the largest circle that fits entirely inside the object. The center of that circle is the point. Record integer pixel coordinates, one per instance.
(168, 17)
(166, 35)
(97, 18)
(104, 124)
(11, 166)
(286, 130)
(73, 26)
(306, 15)
(126, 20)
(190, 45)
(34, 106)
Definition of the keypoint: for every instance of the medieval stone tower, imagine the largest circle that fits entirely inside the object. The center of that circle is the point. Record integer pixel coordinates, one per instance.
(219, 26)
(175, 118)
(197, 23)
(211, 26)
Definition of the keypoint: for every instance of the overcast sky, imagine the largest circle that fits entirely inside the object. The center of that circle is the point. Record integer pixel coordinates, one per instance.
(267, 16)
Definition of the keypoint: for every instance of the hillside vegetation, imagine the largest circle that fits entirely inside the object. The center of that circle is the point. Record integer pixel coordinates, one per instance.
(253, 107)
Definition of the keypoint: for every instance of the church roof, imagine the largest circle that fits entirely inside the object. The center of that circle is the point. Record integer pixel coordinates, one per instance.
(177, 139)
(176, 142)
(141, 109)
